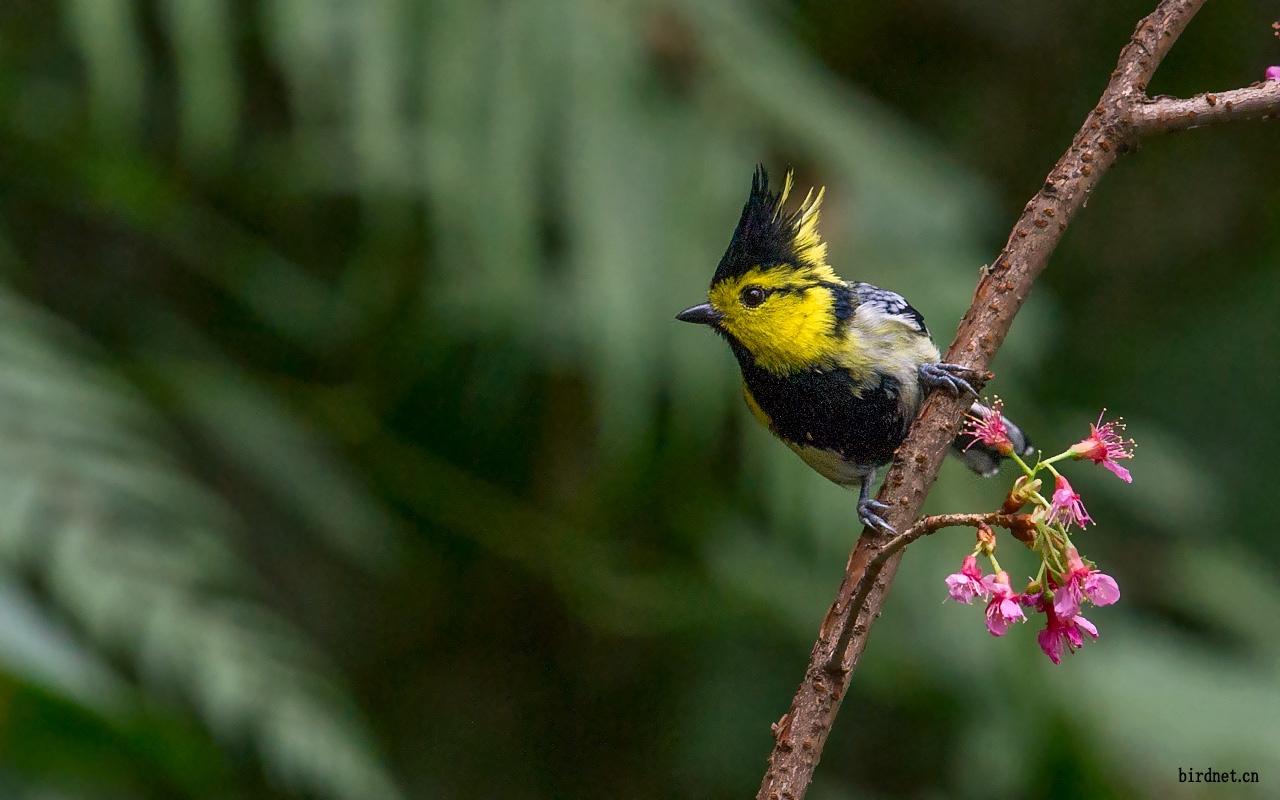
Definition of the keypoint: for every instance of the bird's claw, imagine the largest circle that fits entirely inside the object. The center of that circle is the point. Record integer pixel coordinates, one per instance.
(946, 377)
(867, 515)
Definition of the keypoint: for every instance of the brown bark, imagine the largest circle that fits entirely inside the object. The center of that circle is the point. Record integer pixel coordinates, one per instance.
(1171, 114)
(1123, 114)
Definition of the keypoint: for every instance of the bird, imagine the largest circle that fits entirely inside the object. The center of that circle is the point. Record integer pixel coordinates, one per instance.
(836, 369)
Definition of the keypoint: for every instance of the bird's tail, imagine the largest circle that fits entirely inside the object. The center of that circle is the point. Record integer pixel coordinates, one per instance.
(984, 459)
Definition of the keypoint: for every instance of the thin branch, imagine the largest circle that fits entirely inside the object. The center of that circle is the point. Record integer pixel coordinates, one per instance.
(891, 548)
(936, 523)
(1112, 127)
(1171, 114)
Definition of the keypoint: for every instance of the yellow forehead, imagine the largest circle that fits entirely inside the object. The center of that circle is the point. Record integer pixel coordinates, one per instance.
(793, 329)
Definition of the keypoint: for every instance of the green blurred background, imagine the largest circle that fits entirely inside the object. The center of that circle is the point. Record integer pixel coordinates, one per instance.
(349, 449)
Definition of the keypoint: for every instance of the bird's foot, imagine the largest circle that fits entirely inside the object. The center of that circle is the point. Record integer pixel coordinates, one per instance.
(867, 508)
(947, 377)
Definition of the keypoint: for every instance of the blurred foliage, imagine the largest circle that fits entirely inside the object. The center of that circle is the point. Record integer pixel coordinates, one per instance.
(351, 450)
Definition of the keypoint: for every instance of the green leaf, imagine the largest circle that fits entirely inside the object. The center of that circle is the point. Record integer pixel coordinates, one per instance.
(134, 551)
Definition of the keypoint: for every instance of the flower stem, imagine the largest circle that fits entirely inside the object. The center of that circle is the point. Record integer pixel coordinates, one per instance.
(1055, 459)
(1031, 474)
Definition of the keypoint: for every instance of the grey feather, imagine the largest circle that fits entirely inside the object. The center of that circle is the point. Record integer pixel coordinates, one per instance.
(887, 302)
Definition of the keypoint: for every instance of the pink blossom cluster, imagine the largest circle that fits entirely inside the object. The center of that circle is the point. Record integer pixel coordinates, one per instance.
(1002, 602)
(1059, 602)
(1066, 580)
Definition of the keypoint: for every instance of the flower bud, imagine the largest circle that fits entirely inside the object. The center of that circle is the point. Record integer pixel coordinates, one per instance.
(1020, 495)
(1074, 562)
(986, 539)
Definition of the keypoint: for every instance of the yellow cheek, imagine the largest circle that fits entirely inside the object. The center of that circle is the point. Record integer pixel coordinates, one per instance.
(792, 330)
(787, 334)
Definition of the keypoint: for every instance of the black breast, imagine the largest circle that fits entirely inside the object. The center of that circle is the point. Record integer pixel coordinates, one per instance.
(818, 408)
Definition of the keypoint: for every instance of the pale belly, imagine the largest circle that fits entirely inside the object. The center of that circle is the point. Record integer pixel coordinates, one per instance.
(831, 466)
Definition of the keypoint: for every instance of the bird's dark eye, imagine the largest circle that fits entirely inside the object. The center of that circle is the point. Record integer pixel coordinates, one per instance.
(752, 296)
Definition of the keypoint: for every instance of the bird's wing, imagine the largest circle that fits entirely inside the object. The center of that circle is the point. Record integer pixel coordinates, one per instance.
(888, 303)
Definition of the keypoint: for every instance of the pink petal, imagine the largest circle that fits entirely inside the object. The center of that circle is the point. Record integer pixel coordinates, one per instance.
(1066, 507)
(1101, 589)
(961, 588)
(1001, 611)
(1088, 627)
(1051, 643)
(1120, 472)
(1066, 601)
(1273, 73)
(1010, 610)
(1073, 637)
(996, 624)
(995, 587)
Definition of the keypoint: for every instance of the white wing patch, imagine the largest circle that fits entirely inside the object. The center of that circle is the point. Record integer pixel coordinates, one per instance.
(888, 303)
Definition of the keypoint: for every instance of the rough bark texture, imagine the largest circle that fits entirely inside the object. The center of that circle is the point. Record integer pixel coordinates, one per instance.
(1171, 114)
(1123, 114)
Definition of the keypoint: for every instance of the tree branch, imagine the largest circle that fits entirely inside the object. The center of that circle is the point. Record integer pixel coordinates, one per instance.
(1171, 114)
(1123, 114)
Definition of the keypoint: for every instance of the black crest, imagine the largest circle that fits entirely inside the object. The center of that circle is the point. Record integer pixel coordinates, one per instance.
(766, 236)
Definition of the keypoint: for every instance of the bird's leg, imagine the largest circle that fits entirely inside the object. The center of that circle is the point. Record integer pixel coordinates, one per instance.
(868, 506)
(942, 375)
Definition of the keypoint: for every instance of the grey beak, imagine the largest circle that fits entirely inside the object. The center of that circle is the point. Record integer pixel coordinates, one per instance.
(702, 314)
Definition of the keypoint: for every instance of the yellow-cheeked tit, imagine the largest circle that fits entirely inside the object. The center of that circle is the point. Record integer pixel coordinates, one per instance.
(835, 369)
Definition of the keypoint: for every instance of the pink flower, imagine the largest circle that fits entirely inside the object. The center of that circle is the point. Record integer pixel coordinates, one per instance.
(1004, 607)
(1273, 73)
(1066, 507)
(1083, 581)
(1067, 599)
(1063, 633)
(1104, 446)
(967, 583)
(1098, 588)
(989, 428)
(1102, 590)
